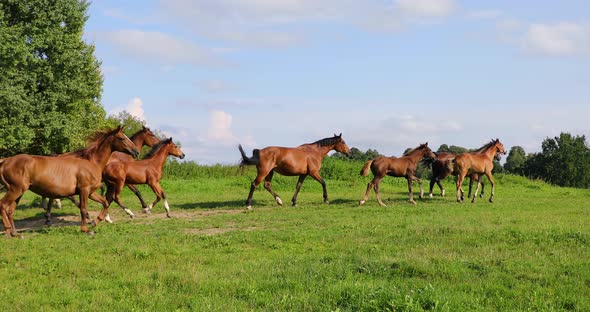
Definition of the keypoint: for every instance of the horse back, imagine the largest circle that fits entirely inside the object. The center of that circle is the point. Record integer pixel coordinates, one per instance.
(289, 160)
(392, 166)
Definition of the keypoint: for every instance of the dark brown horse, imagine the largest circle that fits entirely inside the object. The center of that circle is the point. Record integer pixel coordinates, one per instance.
(299, 161)
(56, 177)
(141, 138)
(440, 171)
(145, 171)
(404, 166)
(479, 163)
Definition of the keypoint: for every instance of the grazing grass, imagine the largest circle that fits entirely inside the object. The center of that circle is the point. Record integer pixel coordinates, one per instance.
(527, 251)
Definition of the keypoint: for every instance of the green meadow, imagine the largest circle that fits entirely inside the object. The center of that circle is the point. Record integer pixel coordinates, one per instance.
(529, 250)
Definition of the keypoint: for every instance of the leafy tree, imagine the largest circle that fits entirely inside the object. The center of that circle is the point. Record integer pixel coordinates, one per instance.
(356, 154)
(515, 160)
(451, 149)
(50, 80)
(131, 123)
(564, 161)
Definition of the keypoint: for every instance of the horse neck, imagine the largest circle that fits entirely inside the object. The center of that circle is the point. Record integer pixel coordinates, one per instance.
(138, 140)
(159, 158)
(101, 153)
(490, 152)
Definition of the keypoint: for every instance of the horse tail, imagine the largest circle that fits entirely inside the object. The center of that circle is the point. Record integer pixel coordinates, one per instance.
(365, 170)
(450, 165)
(247, 161)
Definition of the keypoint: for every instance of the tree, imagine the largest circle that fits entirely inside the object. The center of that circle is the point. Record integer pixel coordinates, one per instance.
(515, 160)
(50, 80)
(564, 161)
(131, 123)
(451, 149)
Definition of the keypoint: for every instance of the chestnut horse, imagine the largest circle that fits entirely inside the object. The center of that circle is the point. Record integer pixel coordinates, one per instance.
(404, 166)
(145, 171)
(299, 161)
(440, 171)
(141, 138)
(479, 163)
(56, 177)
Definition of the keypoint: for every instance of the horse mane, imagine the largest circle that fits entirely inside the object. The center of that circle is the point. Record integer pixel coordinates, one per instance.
(157, 147)
(93, 141)
(327, 141)
(487, 146)
(142, 130)
(415, 149)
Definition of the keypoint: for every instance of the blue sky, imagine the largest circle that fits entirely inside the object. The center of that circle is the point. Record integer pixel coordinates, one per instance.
(388, 75)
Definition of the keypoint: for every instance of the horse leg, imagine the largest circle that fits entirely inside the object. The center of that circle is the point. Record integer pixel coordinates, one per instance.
(48, 207)
(104, 213)
(460, 191)
(259, 177)
(471, 178)
(317, 177)
(419, 181)
(376, 186)
(482, 187)
(489, 175)
(84, 193)
(297, 188)
(117, 189)
(267, 186)
(442, 189)
(157, 188)
(432, 181)
(8, 205)
(410, 179)
(135, 191)
(369, 186)
(44, 202)
(477, 189)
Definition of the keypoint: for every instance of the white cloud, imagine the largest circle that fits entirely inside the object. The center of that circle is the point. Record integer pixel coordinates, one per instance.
(135, 108)
(563, 38)
(159, 47)
(220, 129)
(427, 8)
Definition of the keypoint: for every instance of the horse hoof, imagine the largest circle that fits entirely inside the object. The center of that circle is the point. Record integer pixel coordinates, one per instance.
(168, 216)
(382, 205)
(327, 202)
(491, 200)
(279, 201)
(430, 195)
(91, 233)
(249, 207)
(413, 202)
(361, 202)
(294, 204)
(131, 216)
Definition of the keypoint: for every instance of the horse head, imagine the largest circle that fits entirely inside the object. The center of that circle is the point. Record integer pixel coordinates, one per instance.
(426, 151)
(149, 138)
(121, 143)
(499, 147)
(341, 146)
(173, 149)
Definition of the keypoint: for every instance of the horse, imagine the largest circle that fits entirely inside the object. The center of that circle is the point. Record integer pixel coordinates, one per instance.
(145, 171)
(440, 172)
(143, 137)
(301, 161)
(55, 177)
(404, 166)
(476, 163)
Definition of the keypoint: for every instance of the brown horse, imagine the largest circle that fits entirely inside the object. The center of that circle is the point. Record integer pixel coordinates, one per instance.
(440, 171)
(141, 138)
(146, 171)
(404, 166)
(56, 177)
(299, 161)
(476, 163)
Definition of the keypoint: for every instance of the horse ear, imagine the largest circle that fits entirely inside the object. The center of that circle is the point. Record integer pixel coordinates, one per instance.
(340, 135)
(426, 144)
(120, 128)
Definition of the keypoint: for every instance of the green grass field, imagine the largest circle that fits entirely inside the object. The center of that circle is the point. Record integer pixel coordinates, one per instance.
(527, 251)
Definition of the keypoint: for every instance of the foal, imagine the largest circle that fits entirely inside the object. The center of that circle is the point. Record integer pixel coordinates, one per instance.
(145, 171)
(404, 166)
(476, 163)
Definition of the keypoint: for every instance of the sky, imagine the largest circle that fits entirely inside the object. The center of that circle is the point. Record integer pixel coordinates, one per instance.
(387, 74)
